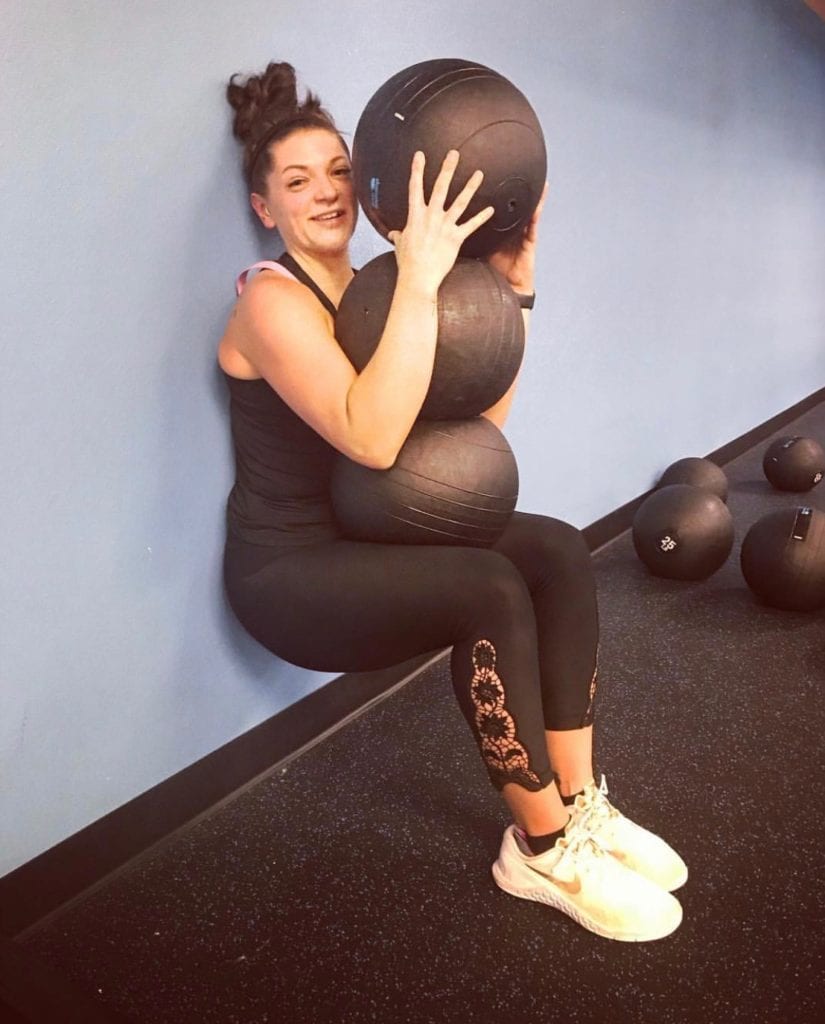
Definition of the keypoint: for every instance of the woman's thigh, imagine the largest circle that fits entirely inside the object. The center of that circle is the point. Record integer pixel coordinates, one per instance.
(348, 606)
(351, 606)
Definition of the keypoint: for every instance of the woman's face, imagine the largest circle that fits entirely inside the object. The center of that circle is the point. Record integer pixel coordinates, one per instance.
(310, 197)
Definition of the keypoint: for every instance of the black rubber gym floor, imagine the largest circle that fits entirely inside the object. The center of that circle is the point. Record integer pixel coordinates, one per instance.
(353, 884)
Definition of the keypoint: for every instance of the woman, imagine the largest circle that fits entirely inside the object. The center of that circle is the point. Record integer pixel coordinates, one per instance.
(521, 618)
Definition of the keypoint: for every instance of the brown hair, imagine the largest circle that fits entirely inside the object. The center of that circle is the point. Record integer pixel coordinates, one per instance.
(267, 109)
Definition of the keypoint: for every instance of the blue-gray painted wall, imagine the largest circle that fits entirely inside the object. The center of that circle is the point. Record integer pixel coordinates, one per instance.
(680, 303)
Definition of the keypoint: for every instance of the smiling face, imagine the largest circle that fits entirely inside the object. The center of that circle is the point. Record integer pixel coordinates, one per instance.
(309, 194)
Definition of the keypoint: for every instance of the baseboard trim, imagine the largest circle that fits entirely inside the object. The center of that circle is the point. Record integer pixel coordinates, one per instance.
(44, 885)
(41, 887)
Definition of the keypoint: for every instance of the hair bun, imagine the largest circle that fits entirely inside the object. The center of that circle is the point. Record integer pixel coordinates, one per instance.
(266, 108)
(262, 100)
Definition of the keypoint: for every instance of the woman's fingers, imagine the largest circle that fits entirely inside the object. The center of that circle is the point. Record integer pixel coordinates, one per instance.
(432, 235)
(471, 225)
(416, 186)
(541, 201)
(531, 232)
(438, 196)
(462, 200)
(441, 187)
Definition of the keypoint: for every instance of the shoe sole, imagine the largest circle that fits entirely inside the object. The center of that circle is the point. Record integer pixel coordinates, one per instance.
(556, 898)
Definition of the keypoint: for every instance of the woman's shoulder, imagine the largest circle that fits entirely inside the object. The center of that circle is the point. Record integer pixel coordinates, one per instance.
(256, 285)
(261, 265)
(273, 311)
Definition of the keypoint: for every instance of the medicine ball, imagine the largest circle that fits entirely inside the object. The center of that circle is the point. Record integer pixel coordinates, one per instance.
(446, 104)
(454, 482)
(683, 532)
(480, 333)
(698, 473)
(794, 463)
(783, 558)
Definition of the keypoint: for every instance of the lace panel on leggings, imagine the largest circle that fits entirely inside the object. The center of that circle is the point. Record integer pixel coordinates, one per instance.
(588, 714)
(506, 759)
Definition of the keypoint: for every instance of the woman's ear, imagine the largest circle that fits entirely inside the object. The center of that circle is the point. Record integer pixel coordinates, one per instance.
(258, 204)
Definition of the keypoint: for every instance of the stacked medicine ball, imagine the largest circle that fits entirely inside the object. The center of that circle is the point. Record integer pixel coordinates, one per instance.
(455, 480)
(683, 529)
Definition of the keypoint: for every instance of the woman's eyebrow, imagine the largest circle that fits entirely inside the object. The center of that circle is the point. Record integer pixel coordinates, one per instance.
(304, 167)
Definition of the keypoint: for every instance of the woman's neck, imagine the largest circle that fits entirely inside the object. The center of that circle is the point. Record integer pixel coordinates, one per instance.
(331, 273)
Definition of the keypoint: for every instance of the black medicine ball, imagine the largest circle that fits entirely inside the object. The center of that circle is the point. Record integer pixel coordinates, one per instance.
(794, 463)
(698, 473)
(783, 558)
(454, 482)
(480, 333)
(683, 532)
(436, 106)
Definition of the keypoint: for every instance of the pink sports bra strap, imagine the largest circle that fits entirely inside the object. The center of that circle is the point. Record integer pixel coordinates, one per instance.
(263, 265)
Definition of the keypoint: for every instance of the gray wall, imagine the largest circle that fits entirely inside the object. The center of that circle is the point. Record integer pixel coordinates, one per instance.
(680, 303)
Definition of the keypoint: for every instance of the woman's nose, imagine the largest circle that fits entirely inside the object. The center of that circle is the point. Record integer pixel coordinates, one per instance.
(327, 189)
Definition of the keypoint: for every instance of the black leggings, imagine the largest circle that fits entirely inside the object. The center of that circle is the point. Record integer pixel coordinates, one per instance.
(520, 617)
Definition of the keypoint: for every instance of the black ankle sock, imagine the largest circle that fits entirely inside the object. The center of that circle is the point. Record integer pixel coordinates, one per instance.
(568, 801)
(540, 844)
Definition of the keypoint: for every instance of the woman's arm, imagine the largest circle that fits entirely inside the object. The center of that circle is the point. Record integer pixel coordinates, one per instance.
(518, 265)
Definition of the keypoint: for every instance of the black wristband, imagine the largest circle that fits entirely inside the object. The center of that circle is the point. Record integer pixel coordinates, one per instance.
(526, 301)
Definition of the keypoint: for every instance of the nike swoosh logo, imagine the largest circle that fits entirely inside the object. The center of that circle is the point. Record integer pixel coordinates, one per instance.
(574, 886)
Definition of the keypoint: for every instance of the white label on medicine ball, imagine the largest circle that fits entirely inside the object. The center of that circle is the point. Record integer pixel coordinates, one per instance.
(817, 477)
(801, 523)
(375, 189)
(667, 543)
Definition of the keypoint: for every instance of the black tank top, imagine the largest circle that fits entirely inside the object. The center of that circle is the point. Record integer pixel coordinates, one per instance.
(282, 466)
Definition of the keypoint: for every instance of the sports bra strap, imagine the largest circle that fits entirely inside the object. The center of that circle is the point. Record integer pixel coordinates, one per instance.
(262, 265)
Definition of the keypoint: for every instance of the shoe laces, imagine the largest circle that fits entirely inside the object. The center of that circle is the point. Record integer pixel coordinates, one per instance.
(593, 808)
(578, 847)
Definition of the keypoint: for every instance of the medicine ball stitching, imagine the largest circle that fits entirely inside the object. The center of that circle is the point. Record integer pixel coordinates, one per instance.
(500, 747)
(441, 512)
(483, 536)
(463, 525)
(459, 505)
(427, 492)
(445, 80)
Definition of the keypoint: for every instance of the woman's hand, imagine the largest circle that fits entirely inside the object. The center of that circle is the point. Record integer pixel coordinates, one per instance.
(517, 261)
(427, 248)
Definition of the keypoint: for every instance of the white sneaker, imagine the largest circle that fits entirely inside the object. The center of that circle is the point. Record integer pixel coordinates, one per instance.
(581, 879)
(634, 846)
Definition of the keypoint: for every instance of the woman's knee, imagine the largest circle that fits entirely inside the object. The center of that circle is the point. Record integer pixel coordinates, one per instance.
(552, 545)
(499, 584)
(557, 536)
